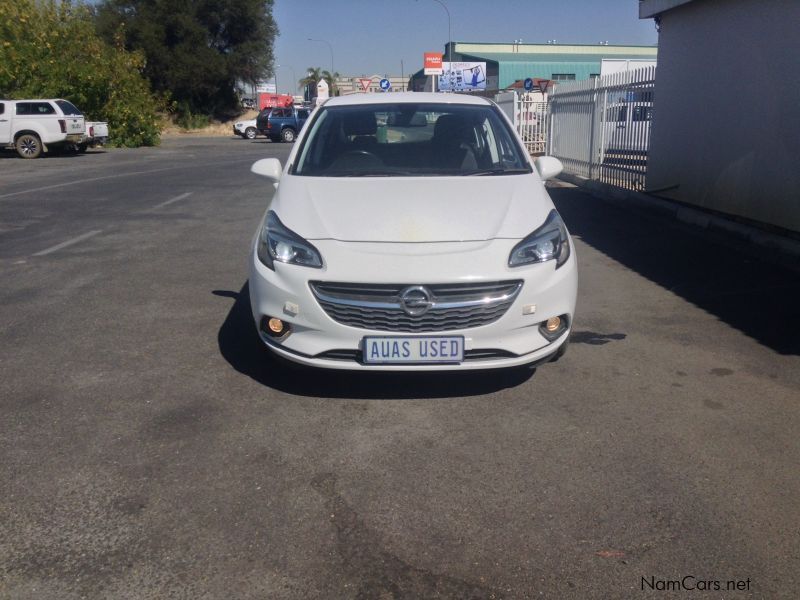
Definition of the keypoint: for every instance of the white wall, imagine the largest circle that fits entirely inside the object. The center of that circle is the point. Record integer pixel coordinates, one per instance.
(608, 66)
(726, 128)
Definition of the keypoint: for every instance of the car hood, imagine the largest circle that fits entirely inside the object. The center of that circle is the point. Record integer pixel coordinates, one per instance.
(412, 209)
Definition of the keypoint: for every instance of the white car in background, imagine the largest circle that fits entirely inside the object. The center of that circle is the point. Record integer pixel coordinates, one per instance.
(32, 126)
(246, 129)
(412, 231)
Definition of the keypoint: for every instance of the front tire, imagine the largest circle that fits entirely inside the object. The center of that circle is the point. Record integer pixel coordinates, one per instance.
(28, 145)
(250, 133)
(288, 135)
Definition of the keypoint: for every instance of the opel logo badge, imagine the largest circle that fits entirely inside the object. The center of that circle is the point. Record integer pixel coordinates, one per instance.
(415, 300)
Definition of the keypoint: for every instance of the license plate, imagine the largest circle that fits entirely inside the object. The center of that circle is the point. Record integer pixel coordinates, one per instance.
(432, 349)
(75, 127)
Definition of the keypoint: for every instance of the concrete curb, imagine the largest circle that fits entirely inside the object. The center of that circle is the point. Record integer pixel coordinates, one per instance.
(788, 247)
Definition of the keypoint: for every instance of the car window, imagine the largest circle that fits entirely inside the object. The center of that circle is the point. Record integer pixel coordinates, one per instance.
(409, 139)
(302, 114)
(279, 113)
(2, 108)
(68, 108)
(35, 108)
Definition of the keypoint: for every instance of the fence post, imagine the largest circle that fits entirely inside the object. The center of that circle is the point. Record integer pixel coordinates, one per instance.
(592, 131)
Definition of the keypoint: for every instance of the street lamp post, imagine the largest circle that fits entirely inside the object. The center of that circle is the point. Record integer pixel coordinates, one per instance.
(449, 35)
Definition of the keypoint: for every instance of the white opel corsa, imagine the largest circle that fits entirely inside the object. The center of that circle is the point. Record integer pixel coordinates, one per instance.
(412, 231)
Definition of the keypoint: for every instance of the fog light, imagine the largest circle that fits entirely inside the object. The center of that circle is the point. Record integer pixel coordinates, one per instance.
(552, 324)
(276, 325)
(554, 327)
(274, 328)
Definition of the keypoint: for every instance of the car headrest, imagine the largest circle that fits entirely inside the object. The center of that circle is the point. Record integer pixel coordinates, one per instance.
(450, 127)
(360, 123)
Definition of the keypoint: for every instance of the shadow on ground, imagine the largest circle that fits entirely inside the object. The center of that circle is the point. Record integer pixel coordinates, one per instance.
(757, 297)
(240, 345)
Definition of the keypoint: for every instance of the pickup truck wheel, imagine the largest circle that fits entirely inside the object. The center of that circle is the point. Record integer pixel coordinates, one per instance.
(28, 145)
(288, 135)
(250, 133)
(82, 148)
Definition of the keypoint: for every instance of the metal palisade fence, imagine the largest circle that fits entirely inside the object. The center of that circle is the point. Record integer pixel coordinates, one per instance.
(529, 116)
(600, 128)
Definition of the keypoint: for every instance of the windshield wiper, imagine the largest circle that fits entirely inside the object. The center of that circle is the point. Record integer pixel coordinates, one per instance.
(375, 173)
(481, 172)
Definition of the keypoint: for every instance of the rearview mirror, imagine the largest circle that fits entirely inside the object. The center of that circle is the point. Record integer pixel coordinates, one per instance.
(269, 168)
(548, 167)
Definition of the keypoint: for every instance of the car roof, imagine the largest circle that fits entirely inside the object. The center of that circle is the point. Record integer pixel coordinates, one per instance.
(403, 97)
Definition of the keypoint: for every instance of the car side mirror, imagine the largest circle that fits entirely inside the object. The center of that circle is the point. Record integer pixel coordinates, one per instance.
(269, 168)
(548, 167)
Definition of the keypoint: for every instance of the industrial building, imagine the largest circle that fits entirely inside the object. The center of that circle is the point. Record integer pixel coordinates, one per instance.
(510, 62)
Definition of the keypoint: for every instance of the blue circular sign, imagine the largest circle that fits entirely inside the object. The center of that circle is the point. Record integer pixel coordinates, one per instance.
(385, 84)
(528, 83)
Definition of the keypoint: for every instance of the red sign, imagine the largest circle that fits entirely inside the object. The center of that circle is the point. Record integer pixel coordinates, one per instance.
(365, 83)
(433, 63)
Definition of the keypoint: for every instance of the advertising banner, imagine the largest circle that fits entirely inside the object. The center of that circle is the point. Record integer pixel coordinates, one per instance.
(463, 77)
(433, 63)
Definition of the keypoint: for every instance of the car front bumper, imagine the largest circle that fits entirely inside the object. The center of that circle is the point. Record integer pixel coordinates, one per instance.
(316, 339)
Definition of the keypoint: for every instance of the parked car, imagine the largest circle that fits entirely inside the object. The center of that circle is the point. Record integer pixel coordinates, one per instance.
(626, 124)
(437, 251)
(246, 129)
(282, 124)
(30, 126)
(96, 135)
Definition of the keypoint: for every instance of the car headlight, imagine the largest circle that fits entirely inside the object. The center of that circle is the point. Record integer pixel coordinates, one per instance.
(549, 242)
(278, 242)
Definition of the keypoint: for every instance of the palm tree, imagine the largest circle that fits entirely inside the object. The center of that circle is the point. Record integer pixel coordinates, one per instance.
(315, 74)
(331, 78)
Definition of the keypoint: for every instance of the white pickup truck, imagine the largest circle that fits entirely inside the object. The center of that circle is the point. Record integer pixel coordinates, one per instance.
(32, 126)
(96, 135)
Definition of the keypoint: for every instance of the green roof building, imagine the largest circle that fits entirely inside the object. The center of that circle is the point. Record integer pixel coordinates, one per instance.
(510, 62)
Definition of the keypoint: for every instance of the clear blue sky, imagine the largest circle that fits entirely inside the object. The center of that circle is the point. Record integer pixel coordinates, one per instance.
(371, 37)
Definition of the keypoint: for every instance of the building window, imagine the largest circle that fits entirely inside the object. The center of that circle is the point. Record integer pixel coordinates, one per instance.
(563, 77)
(594, 75)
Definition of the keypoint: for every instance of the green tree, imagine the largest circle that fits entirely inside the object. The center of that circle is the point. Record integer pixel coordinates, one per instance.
(49, 49)
(196, 50)
(315, 74)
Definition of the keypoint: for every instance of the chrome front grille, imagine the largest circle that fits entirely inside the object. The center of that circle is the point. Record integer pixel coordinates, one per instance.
(392, 307)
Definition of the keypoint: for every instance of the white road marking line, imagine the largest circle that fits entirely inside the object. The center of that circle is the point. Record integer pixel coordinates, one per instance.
(68, 183)
(58, 185)
(168, 202)
(74, 240)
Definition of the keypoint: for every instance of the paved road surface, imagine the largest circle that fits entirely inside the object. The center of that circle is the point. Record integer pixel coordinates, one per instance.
(151, 448)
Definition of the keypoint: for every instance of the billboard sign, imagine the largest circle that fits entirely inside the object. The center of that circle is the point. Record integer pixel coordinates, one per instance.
(463, 77)
(433, 63)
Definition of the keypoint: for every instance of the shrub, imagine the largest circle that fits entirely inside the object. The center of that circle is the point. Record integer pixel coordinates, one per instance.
(50, 49)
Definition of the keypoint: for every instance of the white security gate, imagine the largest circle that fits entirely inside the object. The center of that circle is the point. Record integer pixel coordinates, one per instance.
(529, 115)
(600, 128)
(532, 123)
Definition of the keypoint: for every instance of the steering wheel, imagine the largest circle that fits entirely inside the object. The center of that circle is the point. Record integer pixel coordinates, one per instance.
(366, 153)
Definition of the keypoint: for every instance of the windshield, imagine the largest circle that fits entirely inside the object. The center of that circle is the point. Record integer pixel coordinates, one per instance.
(410, 139)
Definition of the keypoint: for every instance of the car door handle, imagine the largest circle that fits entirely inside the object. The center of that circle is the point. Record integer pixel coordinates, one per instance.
(3, 120)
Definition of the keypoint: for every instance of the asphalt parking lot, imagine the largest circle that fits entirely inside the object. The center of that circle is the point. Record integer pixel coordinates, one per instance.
(152, 449)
